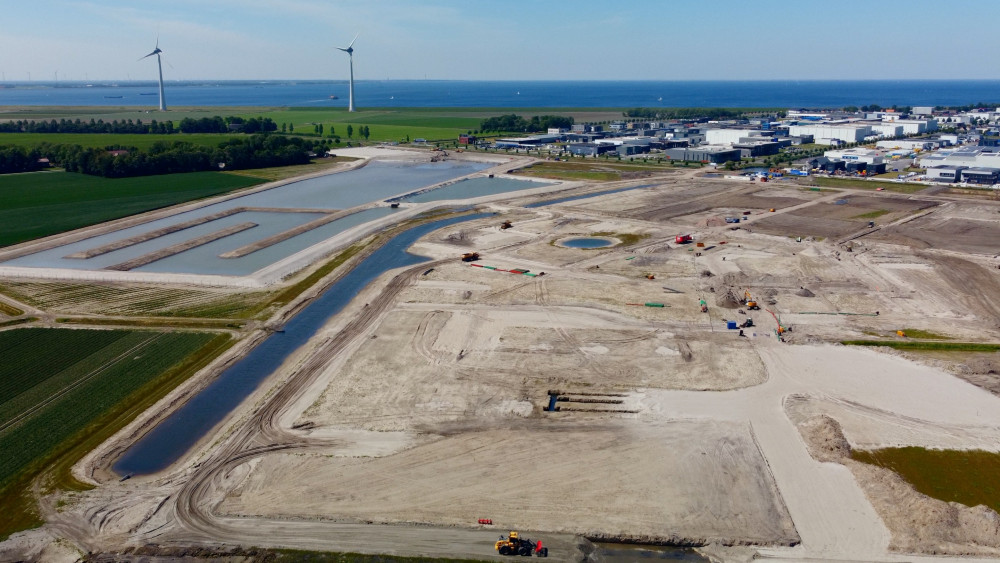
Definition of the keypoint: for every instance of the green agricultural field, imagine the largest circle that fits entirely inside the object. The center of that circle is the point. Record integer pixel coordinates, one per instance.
(101, 140)
(966, 477)
(40, 204)
(53, 382)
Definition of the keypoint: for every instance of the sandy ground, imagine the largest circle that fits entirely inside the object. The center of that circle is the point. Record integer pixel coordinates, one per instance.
(423, 402)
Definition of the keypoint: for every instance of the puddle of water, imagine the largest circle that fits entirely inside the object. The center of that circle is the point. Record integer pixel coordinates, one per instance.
(625, 553)
(587, 242)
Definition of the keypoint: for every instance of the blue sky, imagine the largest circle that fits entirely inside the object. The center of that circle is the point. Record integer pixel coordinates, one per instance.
(501, 40)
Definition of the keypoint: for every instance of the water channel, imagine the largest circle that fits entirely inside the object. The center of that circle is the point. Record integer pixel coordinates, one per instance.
(180, 431)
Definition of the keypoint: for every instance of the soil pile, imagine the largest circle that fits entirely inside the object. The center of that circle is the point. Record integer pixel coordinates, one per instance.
(727, 299)
(803, 292)
(825, 439)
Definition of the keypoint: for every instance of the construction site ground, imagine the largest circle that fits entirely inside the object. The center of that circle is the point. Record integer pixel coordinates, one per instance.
(421, 408)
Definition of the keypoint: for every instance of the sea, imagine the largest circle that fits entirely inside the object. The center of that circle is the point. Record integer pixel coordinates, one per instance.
(510, 94)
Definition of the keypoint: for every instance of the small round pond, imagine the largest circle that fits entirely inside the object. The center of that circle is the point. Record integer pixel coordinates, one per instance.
(587, 242)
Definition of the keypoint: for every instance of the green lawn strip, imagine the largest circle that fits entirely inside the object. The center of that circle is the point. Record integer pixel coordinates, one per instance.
(906, 188)
(10, 310)
(155, 322)
(872, 214)
(924, 334)
(966, 477)
(100, 408)
(922, 345)
(45, 203)
(14, 322)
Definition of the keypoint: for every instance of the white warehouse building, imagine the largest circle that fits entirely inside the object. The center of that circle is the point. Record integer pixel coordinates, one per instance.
(728, 136)
(867, 156)
(887, 129)
(844, 132)
(917, 126)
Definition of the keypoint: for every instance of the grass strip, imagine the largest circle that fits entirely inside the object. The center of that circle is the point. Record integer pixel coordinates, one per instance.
(155, 322)
(929, 346)
(967, 477)
(10, 310)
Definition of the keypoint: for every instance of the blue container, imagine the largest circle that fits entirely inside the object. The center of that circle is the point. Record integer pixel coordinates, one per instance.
(731, 325)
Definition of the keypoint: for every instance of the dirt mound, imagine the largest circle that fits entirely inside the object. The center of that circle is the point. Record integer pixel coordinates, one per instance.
(713, 221)
(803, 292)
(825, 439)
(727, 299)
(919, 524)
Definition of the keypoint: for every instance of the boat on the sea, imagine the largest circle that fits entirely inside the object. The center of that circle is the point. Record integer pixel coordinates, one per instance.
(115, 97)
(147, 93)
(334, 97)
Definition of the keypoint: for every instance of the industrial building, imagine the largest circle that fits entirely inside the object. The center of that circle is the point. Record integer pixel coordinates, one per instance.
(946, 173)
(887, 129)
(731, 136)
(987, 176)
(866, 156)
(909, 144)
(589, 149)
(753, 149)
(825, 134)
(704, 153)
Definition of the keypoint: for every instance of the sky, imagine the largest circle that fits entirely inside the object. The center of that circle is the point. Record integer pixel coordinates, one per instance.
(500, 39)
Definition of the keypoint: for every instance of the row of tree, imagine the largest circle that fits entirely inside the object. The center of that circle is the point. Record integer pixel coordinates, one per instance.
(187, 125)
(255, 151)
(92, 126)
(516, 123)
(699, 113)
(222, 125)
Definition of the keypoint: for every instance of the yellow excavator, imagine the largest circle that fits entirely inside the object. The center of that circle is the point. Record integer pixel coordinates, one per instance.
(513, 544)
(749, 301)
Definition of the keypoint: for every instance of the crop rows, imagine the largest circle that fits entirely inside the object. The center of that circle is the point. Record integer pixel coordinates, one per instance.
(32, 355)
(81, 387)
(45, 203)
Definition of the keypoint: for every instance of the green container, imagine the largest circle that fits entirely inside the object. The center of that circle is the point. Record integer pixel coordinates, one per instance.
(531, 275)
(655, 305)
(490, 267)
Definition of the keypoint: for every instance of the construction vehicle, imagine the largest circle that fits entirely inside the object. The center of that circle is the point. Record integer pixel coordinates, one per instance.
(506, 225)
(683, 239)
(747, 323)
(515, 545)
(749, 302)
(470, 257)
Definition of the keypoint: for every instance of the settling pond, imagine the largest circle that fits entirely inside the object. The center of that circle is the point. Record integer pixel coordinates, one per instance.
(176, 434)
(270, 213)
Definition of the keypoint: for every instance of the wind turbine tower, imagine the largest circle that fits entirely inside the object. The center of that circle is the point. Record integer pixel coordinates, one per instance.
(159, 63)
(350, 53)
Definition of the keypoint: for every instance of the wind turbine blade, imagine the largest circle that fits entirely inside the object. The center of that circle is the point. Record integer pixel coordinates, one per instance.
(147, 56)
(353, 40)
(342, 49)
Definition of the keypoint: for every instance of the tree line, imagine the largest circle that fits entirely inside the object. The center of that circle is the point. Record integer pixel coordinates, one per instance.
(516, 123)
(699, 113)
(187, 125)
(255, 151)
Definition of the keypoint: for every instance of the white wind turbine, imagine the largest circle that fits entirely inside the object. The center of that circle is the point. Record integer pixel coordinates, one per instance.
(350, 53)
(159, 63)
